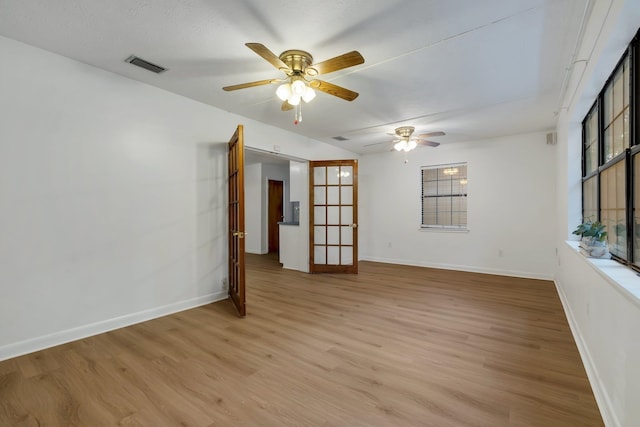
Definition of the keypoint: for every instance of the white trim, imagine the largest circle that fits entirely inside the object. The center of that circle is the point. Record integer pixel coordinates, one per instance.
(471, 269)
(432, 228)
(624, 279)
(35, 344)
(599, 390)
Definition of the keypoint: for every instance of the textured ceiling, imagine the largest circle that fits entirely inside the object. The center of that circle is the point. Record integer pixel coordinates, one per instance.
(473, 69)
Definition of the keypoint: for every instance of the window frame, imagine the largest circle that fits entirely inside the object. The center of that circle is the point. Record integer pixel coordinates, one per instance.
(627, 157)
(451, 195)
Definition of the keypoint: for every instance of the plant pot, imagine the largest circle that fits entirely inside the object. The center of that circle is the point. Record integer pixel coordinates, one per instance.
(594, 248)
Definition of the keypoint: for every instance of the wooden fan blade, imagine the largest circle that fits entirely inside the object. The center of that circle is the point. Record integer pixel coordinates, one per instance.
(430, 134)
(267, 55)
(377, 143)
(286, 106)
(334, 90)
(346, 60)
(429, 143)
(251, 84)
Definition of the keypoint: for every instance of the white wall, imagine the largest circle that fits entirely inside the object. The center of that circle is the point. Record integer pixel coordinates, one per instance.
(256, 198)
(511, 208)
(604, 319)
(112, 198)
(253, 208)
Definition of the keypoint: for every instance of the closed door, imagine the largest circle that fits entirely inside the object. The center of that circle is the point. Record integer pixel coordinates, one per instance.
(276, 211)
(333, 213)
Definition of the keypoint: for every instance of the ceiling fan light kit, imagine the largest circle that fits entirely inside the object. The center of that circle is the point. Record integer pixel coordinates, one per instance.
(298, 66)
(406, 141)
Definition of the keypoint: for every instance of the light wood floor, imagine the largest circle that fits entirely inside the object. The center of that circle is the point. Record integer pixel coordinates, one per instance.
(392, 346)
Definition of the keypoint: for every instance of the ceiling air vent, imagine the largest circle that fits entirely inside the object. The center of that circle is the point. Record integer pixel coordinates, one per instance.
(145, 64)
(340, 138)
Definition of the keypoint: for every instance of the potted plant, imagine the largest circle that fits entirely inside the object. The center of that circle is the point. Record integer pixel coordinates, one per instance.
(593, 242)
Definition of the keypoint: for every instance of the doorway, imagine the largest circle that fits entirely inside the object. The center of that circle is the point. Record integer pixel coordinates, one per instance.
(276, 213)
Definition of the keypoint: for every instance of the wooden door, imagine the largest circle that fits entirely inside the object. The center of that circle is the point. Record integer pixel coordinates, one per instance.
(333, 214)
(276, 211)
(236, 221)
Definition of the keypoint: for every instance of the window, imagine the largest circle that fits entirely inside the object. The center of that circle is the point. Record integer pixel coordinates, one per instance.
(610, 162)
(444, 196)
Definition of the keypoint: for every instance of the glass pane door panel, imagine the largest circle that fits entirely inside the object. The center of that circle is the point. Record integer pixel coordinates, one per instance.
(333, 195)
(320, 175)
(320, 254)
(347, 215)
(333, 235)
(334, 208)
(333, 175)
(333, 255)
(347, 195)
(320, 215)
(346, 175)
(346, 235)
(347, 255)
(319, 235)
(333, 213)
(319, 195)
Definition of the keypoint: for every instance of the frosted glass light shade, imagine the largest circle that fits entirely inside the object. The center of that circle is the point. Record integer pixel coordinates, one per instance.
(298, 87)
(284, 91)
(308, 94)
(294, 99)
(400, 146)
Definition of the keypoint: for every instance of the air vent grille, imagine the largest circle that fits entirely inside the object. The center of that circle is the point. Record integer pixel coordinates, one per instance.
(145, 64)
(340, 138)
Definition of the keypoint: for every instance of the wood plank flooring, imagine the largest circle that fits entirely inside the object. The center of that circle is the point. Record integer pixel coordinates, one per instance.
(391, 346)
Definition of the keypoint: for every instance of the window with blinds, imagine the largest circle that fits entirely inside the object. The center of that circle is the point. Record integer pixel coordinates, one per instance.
(444, 196)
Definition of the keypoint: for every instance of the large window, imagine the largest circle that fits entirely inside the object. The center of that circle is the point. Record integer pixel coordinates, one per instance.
(610, 162)
(444, 196)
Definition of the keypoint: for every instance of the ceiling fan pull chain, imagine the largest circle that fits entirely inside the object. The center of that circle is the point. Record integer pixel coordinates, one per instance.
(298, 114)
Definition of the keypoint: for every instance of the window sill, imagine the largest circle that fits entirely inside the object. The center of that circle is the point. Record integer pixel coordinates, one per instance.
(620, 276)
(444, 230)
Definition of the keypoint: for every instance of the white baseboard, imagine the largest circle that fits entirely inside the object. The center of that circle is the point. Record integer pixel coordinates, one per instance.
(471, 269)
(35, 344)
(599, 391)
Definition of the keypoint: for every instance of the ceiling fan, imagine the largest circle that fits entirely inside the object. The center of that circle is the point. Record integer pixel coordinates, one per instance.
(300, 81)
(406, 142)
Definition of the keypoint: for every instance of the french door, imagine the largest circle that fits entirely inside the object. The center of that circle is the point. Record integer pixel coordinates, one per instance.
(236, 221)
(333, 213)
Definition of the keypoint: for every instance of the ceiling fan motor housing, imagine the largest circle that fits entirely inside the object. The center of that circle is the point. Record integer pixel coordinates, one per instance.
(296, 60)
(405, 131)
